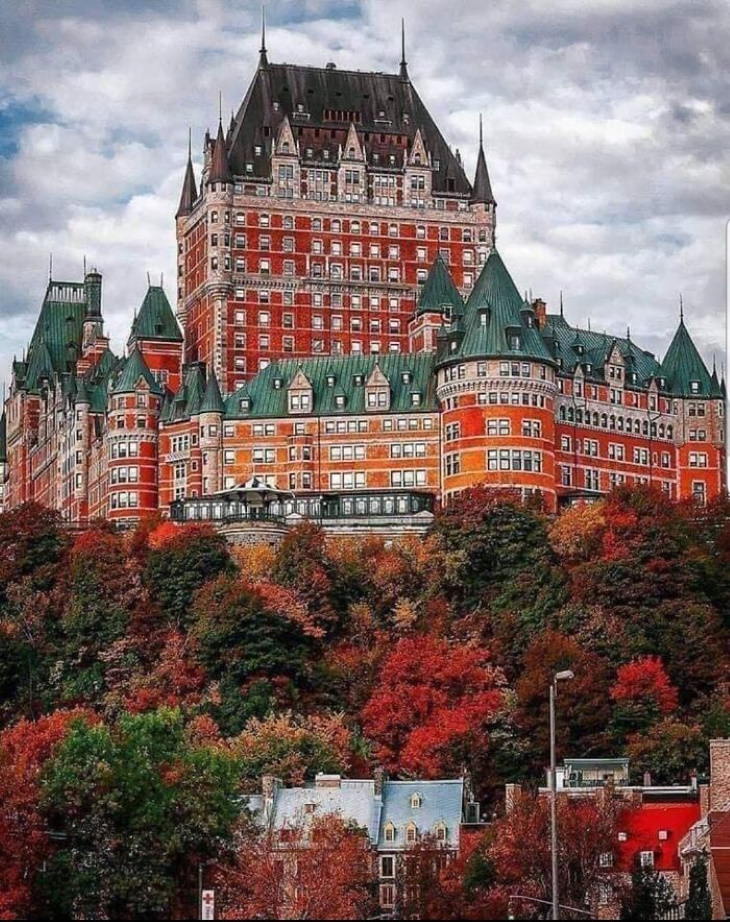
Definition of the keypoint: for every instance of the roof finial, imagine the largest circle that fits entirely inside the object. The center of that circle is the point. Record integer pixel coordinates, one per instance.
(681, 309)
(190, 142)
(220, 107)
(561, 302)
(149, 283)
(589, 324)
(628, 333)
(84, 265)
(162, 279)
(50, 267)
(263, 60)
(481, 132)
(403, 62)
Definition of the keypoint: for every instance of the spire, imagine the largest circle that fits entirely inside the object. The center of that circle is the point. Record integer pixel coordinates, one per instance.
(681, 309)
(481, 192)
(212, 399)
(686, 373)
(403, 62)
(561, 302)
(189, 191)
(219, 169)
(263, 60)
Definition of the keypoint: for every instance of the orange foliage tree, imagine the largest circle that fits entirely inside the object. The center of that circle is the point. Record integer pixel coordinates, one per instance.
(317, 870)
(433, 702)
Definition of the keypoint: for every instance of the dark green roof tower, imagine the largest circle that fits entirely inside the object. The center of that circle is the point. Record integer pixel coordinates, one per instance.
(494, 322)
(439, 293)
(155, 319)
(685, 372)
(131, 371)
(212, 400)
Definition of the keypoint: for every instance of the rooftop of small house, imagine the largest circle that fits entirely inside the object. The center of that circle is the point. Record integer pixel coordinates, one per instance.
(582, 776)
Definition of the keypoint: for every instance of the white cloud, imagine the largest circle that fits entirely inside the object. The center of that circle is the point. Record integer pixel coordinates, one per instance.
(606, 127)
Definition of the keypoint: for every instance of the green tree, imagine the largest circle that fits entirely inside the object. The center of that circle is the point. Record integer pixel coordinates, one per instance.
(669, 751)
(181, 565)
(699, 902)
(649, 896)
(135, 805)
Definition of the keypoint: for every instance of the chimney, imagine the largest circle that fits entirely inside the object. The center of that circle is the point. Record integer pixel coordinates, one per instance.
(269, 786)
(327, 781)
(719, 773)
(378, 778)
(512, 793)
(540, 308)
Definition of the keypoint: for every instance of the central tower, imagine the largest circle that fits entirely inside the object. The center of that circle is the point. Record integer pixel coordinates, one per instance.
(319, 212)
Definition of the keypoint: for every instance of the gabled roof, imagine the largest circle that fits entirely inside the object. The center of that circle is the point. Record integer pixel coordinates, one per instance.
(189, 398)
(439, 290)
(269, 401)
(155, 319)
(131, 371)
(683, 365)
(212, 401)
(596, 347)
(277, 89)
(496, 296)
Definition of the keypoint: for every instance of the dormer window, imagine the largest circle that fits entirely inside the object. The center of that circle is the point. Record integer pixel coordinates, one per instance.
(483, 318)
(415, 399)
(579, 349)
(514, 341)
(357, 380)
(245, 403)
(340, 401)
(411, 833)
(277, 384)
(441, 832)
(406, 377)
(588, 368)
(694, 387)
(389, 832)
(300, 402)
(416, 801)
(330, 380)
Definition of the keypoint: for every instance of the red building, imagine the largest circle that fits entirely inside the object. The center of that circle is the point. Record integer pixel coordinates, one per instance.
(348, 334)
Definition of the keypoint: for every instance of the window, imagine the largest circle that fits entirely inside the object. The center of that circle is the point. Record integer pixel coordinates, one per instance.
(646, 859)
(605, 860)
(452, 464)
(498, 427)
(387, 866)
(389, 832)
(411, 833)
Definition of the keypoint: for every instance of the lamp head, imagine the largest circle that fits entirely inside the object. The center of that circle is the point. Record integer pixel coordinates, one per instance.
(564, 675)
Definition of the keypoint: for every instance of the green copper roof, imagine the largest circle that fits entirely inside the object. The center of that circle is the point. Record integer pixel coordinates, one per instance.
(493, 313)
(331, 376)
(131, 371)
(155, 319)
(683, 367)
(189, 398)
(212, 401)
(597, 347)
(439, 291)
(58, 332)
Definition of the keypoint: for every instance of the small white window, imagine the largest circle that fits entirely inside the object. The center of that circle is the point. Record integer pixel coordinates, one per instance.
(416, 801)
(646, 859)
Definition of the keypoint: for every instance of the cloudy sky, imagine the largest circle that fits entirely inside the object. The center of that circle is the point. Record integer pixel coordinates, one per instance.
(606, 124)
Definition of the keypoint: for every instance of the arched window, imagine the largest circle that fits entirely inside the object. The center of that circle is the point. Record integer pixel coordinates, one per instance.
(416, 801)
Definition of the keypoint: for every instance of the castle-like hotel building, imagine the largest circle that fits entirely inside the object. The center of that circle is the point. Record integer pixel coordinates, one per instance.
(348, 344)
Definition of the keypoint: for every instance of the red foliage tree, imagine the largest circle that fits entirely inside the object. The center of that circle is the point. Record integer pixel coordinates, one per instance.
(317, 870)
(432, 704)
(24, 842)
(644, 679)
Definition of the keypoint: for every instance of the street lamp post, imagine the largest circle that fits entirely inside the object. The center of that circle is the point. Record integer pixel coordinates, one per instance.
(558, 677)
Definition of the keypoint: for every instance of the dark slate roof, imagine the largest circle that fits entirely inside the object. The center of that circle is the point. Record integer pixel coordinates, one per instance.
(482, 191)
(496, 294)
(155, 319)
(3, 439)
(683, 364)
(358, 96)
(59, 326)
(439, 290)
(269, 401)
(597, 347)
(219, 169)
(212, 401)
(134, 368)
(189, 191)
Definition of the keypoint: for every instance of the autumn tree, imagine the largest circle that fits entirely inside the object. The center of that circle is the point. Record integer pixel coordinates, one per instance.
(309, 870)
(24, 843)
(642, 693)
(433, 706)
(180, 561)
(135, 806)
(670, 751)
(293, 748)
(520, 855)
